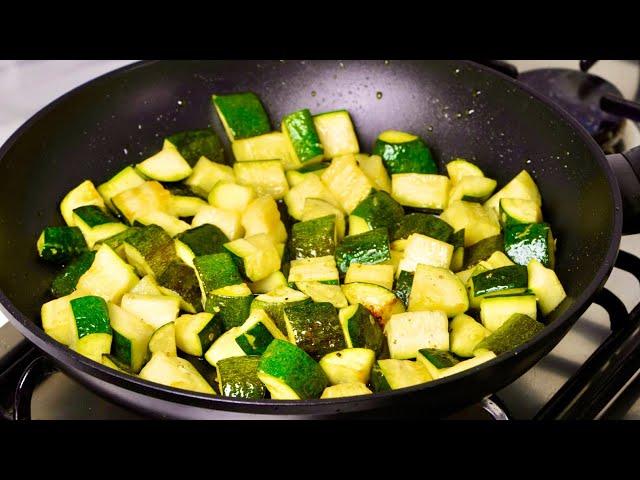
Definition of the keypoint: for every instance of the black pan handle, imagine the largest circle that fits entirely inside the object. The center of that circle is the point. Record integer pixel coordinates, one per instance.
(620, 107)
(626, 167)
(39, 369)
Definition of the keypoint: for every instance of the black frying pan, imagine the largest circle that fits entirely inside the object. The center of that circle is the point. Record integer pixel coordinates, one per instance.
(460, 108)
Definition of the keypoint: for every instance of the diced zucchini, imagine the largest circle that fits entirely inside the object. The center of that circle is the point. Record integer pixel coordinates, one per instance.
(146, 286)
(194, 144)
(311, 187)
(423, 224)
(436, 288)
(117, 241)
(196, 333)
(242, 115)
(169, 223)
(258, 254)
(377, 210)
(175, 372)
(314, 327)
(270, 283)
(396, 258)
(186, 206)
(164, 340)
(409, 332)
(421, 249)
(257, 332)
(215, 271)
(357, 225)
(314, 269)
(152, 309)
(365, 248)
(289, 373)
(131, 338)
(373, 168)
(83, 194)
(472, 189)
(404, 153)
(95, 224)
(125, 179)
(270, 146)
(317, 208)
(322, 292)
(544, 283)
(457, 259)
(403, 286)
(519, 210)
(515, 331)
(165, 166)
(224, 346)
(57, 318)
(232, 304)
(91, 316)
(93, 346)
(266, 177)
(376, 274)
(238, 377)
(180, 281)
(421, 190)
(392, 374)
(351, 365)
(494, 311)
(139, 201)
(434, 360)
(478, 224)
(360, 328)
(347, 183)
(65, 282)
(231, 196)
(273, 303)
(460, 168)
(61, 244)
(496, 260)
(381, 302)
(150, 250)
(300, 131)
(346, 390)
(262, 216)
(467, 364)
(465, 275)
(226, 220)
(336, 133)
(484, 250)
(314, 238)
(465, 334)
(521, 186)
(108, 361)
(206, 174)
(108, 277)
(196, 242)
(501, 281)
(524, 242)
(295, 177)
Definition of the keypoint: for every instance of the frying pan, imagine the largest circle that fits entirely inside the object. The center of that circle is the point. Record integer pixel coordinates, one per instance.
(461, 109)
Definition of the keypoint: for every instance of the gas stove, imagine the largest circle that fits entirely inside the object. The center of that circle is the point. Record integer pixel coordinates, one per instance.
(590, 374)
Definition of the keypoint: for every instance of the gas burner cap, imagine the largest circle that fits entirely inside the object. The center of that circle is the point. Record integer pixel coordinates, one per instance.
(579, 94)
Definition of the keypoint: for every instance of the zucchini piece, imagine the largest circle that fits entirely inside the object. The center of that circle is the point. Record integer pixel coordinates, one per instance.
(380, 302)
(262, 216)
(317, 208)
(424, 224)
(314, 238)
(467, 364)
(108, 361)
(460, 168)
(117, 241)
(484, 250)
(150, 250)
(465, 334)
(270, 146)
(125, 179)
(346, 390)
(321, 292)
(61, 244)
(496, 260)
(266, 177)
(273, 303)
(258, 254)
(346, 182)
(108, 277)
(194, 144)
(180, 281)
(503, 281)
(57, 318)
(83, 194)
(403, 286)
(477, 222)
(242, 115)
(257, 332)
(232, 304)
(544, 283)
(404, 153)
(93, 346)
(295, 177)
(196, 242)
(300, 131)
(65, 282)
(215, 271)
(169, 223)
(472, 189)
(457, 259)
(93, 329)
(314, 269)
(289, 373)
(227, 221)
(378, 210)
(131, 338)
(409, 332)
(521, 186)
(434, 360)
(164, 340)
(360, 329)
(524, 242)
(231, 196)
(146, 286)
(515, 331)
(225, 346)
(392, 374)
(357, 225)
(238, 377)
(421, 190)
(136, 202)
(95, 224)
(165, 166)
(314, 327)
(436, 288)
(396, 258)
(152, 309)
(175, 372)
(494, 311)
(465, 275)
(336, 133)
(206, 174)
(311, 187)
(373, 168)
(424, 250)
(365, 248)
(351, 365)
(270, 283)
(186, 206)
(196, 333)
(376, 274)
(518, 210)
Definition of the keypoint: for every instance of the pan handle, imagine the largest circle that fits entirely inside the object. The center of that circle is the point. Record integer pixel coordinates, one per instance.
(626, 167)
(39, 369)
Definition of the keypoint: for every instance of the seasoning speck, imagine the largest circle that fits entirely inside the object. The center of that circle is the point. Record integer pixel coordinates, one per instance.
(378, 95)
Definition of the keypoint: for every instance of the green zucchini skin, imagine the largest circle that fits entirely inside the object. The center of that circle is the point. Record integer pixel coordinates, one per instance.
(238, 377)
(181, 278)
(483, 249)
(244, 114)
(179, 190)
(315, 328)
(439, 358)
(204, 240)
(314, 238)
(116, 242)
(378, 380)
(314, 167)
(403, 286)
(379, 210)
(65, 282)
(255, 340)
(498, 279)
(364, 331)
(275, 309)
(517, 330)
(216, 271)
(194, 144)
(424, 224)
(369, 248)
(93, 216)
(456, 238)
(525, 241)
(232, 310)
(155, 246)
(303, 135)
(91, 315)
(61, 244)
(407, 157)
